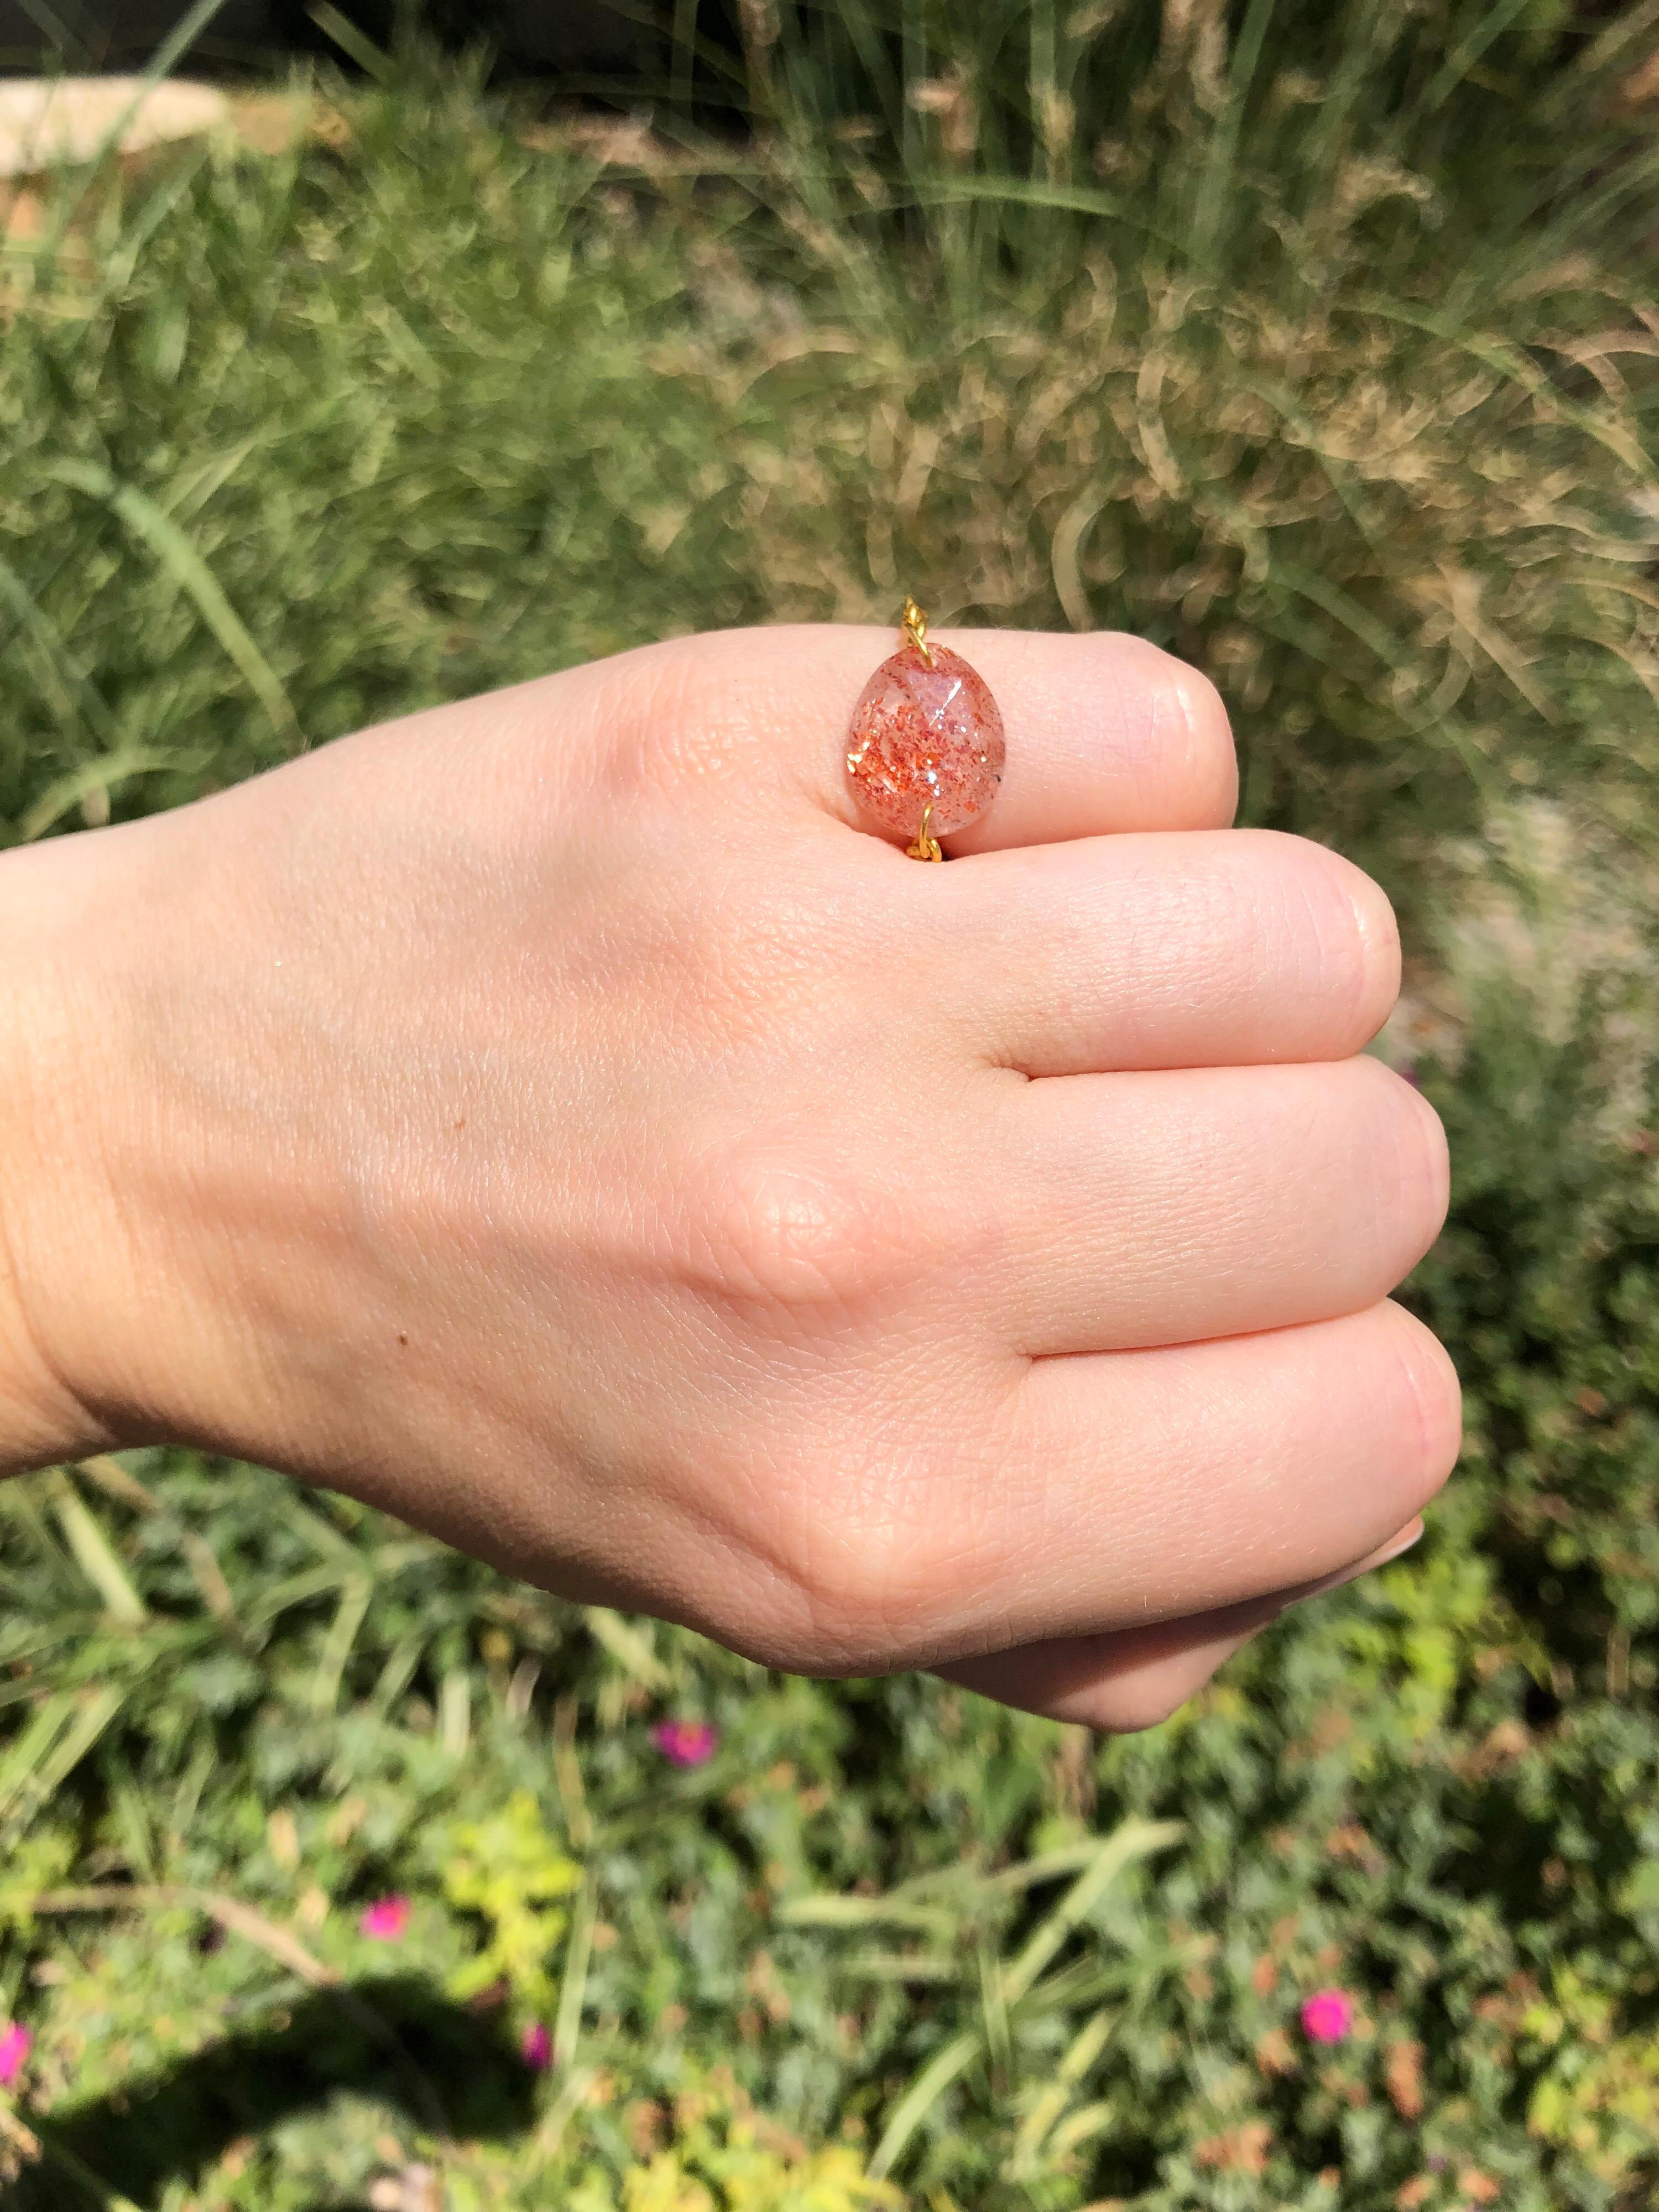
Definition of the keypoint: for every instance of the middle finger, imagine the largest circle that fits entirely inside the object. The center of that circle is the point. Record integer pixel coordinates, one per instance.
(1168, 949)
(1167, 1207)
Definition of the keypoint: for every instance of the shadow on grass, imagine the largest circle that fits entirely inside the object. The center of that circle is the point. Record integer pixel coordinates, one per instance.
(448, 2070)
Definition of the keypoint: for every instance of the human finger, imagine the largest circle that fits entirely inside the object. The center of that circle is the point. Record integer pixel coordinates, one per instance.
(1135, 1678)
(1104, 731)
(1131, 1487)
(1158, 1208)
(1201, 949)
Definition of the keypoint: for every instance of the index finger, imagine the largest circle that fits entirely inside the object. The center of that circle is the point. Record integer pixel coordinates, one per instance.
(1104, 731)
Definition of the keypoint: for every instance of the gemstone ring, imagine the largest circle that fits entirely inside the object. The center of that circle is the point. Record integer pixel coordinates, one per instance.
(925, 749)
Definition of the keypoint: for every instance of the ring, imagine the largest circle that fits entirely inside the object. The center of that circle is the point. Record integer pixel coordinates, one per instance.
(925, 749)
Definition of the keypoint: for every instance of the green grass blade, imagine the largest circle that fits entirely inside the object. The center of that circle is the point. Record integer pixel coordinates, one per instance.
(167, 55)
(66, 687)
(1135, 1839)
(53, 1756)
(455, 1712)
(347, 1625)
(116, 1482)
(572, 1986)
(1468, 52)
(102, 775)
(50, 25)
(1046, 1866)
(627, 1646)
(320, 1533)
(833, 1911)
(26, 1756)
(350, 40)
(177, 555)
(293, 1590)
(904, 1966)
(1073, 199)
(994, 2009)
(1082, 2125)
(209, 1579)
(95, 1556)
(919, 2100)
(397, 1673)
(1045, 2115)
(1219, 177)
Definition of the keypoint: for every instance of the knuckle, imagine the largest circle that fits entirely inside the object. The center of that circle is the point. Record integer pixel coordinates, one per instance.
(1408, 1132)
(780, 1230)
(1432, 1158)
(879, 1572)
(860, 1593)
(1331, 925)
(672, 712)
(1433, 1399)
(1356, 938)
(862, 1620)
(1195, 715)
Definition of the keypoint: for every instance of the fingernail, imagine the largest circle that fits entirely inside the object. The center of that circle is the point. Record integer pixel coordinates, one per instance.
(1401, 1544)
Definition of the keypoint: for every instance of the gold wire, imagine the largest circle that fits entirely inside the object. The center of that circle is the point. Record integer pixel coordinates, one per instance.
(915, 629)
(914, 624)
(925, 848)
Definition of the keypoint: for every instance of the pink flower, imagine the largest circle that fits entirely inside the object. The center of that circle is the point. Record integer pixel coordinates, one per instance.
(1328, 2016)
(15, 2045)
(385, 1920)
(686, 1743)
(536, 2046)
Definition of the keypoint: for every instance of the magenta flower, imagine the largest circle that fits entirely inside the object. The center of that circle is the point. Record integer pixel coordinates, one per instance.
(15, 2045)
(686, 1743)
(536, 2046)
(1328, 2016)
(385, 1920)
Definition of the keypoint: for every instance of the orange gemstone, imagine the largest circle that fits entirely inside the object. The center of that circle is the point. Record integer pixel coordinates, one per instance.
(926, 732)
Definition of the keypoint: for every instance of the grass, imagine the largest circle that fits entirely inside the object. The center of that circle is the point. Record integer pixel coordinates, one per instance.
(1348, 399)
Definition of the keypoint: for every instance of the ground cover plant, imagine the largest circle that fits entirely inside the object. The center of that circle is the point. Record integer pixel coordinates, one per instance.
(340, 1872)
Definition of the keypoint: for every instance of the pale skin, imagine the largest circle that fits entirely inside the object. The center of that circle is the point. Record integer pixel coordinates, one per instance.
(556, 1120)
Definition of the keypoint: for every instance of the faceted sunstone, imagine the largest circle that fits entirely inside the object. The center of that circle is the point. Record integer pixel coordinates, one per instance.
(925, 732)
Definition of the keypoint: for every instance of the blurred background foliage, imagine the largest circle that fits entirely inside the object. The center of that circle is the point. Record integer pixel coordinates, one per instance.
(1311, 345)
(1313, 342)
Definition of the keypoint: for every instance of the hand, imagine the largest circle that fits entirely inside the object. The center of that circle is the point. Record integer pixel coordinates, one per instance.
(555, 1120)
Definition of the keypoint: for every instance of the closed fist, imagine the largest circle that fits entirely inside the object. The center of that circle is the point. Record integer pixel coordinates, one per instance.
(557, 1120)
